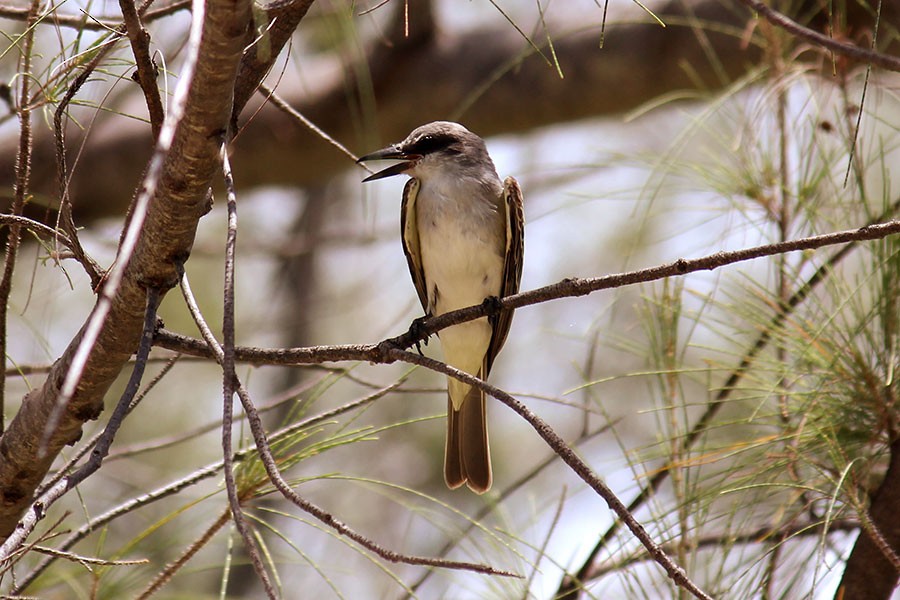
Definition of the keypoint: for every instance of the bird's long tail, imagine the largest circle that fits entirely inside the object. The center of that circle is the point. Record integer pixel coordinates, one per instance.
(467, 458)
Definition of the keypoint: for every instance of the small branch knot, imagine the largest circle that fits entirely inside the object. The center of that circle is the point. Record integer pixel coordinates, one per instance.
(384, 351)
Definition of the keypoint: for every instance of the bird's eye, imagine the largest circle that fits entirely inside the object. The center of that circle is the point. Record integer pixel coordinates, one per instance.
(429, 143)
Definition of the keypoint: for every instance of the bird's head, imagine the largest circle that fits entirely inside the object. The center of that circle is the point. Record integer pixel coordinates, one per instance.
(439, 146)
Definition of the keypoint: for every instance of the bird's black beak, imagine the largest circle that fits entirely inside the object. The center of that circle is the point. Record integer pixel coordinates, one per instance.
(407, 161)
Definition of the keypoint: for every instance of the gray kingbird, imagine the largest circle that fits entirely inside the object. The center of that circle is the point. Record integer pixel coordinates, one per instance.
(463, 236)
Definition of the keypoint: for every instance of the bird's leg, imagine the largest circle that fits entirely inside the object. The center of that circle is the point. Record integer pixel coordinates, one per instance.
(416, 331)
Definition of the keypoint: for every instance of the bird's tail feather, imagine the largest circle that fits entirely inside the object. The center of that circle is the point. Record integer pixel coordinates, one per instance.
(467, 457)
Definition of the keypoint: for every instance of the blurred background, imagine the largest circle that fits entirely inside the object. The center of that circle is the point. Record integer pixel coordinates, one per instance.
(635, 145)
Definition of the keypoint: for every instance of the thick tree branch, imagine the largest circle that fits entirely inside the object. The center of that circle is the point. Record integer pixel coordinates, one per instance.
(275, 25)
(869, 574)
(167, 234)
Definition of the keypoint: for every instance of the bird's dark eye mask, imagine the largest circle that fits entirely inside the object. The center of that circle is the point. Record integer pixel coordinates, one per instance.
(431, 143)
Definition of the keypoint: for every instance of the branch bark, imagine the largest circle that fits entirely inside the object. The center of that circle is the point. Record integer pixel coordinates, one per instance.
(168, 232)
(870, 574)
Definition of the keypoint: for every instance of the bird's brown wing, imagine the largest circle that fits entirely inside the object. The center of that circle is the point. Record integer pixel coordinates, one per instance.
(512, 268)
(409, 232)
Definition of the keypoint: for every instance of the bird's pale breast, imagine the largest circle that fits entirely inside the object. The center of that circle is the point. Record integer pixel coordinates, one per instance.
(462, 254)
(462, 248)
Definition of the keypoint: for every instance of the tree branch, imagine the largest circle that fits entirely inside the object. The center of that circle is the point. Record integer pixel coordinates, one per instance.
(83, 23)
(869, 574)
(578, 466)
(181, 183)
(567, 288)
(570, 585)
(851, 51)
(146, 71)
(23, 180)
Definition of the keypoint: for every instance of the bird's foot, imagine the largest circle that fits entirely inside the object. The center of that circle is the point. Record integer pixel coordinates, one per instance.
(492, 305)
(416, 331)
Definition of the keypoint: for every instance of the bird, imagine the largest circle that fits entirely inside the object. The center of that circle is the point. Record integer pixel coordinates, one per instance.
(463, 237)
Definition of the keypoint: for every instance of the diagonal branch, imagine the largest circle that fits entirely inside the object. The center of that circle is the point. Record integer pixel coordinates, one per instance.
(180, 172)
(13, 544)
(851, 51)
(565, 452)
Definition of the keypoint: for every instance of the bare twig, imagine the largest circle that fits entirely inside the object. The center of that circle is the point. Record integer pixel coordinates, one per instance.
(228, 379)
(83, 23)
(164, 576)
(757, 536)
(141, 49)
(33, 515)
(88, 560)
(23, 179)
(65, 218)
(566, 288)
(124, 405)
(37, 227)
(146, 73)
(292, 112)
(234, 500)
